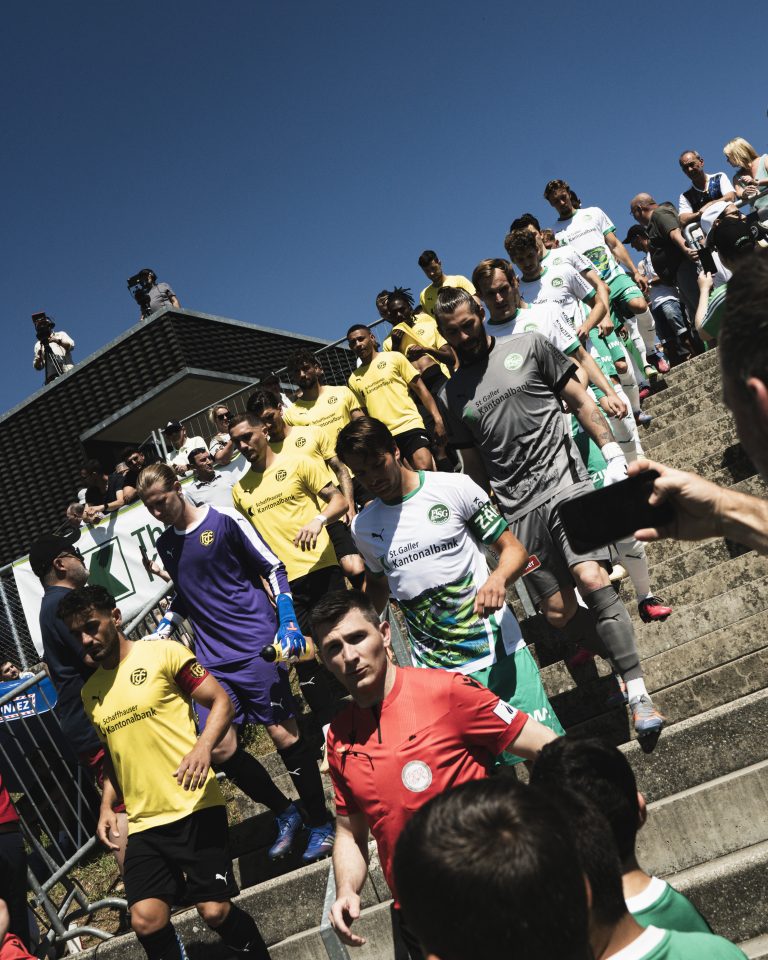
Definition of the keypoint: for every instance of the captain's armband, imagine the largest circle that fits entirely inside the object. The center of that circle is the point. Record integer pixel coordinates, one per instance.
(487, 524)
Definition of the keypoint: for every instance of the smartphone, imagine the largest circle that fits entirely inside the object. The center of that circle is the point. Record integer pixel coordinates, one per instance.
(707, 261)
(613, 513)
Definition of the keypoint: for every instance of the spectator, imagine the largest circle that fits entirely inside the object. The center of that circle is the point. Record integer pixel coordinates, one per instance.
(221, 447)
(705, 188)
(13, 873)
(433, 269)
(103, 491)
(702, 509)
(178, 842)
(522, 451)
(10, 671)
(452, 605)
(505, 854)
(296, 443)
(380, 774)
(210, 485)
(136, 461)
(61, 569)
(219, 586)
(155, 296)
(281, 498)
(592, 233)
(386, 385)
(732, 238)
(74, 517)
(181, 446)
(664, 299)
(600, 772)
(272, 382)
(672, 259)
(53, 351)
(751, 174)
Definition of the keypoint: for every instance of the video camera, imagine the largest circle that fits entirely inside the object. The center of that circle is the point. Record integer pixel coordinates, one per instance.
(43, 326)
(140, 284)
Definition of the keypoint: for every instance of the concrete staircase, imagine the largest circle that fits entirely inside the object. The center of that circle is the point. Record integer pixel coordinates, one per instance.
(706, 781)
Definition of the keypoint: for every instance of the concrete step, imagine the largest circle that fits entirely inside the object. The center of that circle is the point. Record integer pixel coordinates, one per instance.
(700, 559)
(706, 821)
(709, 438)
(704, 584)
(709, 745)
(683, 410)
(730, 892)
(684, 680)
(756, 948)
(688, 431)
(374, 924)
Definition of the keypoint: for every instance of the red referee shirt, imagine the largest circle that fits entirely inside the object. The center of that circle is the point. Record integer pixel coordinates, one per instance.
(433, 731)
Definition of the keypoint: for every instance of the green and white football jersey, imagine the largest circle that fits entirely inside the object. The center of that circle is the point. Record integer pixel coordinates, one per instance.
(561, 285)
(566, 254)
(427, 546)
(585, 231)
(660, 905)
(655, 944)
(544, 318)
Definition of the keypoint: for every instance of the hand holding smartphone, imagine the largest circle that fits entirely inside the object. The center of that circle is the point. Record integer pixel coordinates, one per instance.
(614, 513)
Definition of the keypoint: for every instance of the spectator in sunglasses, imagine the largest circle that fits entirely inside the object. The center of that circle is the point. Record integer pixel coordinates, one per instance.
(221, 447)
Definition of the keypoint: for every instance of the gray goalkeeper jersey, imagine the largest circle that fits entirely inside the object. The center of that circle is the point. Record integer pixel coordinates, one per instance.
(507, 406)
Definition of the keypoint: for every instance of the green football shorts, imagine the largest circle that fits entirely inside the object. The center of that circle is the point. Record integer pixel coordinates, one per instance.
(516, 680)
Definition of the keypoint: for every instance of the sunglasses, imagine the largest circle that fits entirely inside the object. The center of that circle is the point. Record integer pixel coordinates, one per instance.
(223, 416)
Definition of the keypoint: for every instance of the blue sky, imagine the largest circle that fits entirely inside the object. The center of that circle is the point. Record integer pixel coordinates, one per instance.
(280, 163)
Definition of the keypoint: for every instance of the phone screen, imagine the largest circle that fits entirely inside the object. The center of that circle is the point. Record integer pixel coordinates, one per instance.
(613, 513)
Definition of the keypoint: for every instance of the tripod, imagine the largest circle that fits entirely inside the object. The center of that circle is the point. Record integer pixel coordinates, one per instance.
(52, 365)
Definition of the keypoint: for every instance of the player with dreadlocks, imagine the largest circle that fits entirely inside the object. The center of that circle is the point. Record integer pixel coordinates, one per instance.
(416, 336)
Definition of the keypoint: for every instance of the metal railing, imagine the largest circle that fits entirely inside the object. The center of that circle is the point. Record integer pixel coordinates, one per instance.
(57, 807)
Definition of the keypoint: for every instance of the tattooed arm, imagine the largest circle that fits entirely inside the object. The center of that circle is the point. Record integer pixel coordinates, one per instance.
(586, 412)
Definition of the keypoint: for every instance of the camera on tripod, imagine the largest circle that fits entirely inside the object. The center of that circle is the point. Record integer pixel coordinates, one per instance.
(140, 284)
(43, 326)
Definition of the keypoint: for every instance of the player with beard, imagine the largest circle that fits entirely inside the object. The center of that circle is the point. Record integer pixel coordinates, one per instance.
(505, 418)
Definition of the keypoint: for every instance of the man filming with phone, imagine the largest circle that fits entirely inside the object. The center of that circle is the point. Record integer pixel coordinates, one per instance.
(53, 351)
(703, 509)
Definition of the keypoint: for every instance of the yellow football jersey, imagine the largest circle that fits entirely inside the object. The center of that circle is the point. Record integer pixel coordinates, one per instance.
(382, 388)
(148, 725)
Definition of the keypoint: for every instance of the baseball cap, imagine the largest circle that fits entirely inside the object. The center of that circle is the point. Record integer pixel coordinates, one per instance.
(711, 214)
(634, 232)
(45, 549)
(173, 426)
(731, 236)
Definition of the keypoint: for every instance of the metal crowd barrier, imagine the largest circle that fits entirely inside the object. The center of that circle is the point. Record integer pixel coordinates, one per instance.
(57, 807)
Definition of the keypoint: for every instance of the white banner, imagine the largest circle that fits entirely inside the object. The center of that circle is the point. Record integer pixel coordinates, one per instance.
(111, 550)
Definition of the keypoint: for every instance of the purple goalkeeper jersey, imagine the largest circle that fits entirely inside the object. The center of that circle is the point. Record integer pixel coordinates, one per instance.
(216, 567)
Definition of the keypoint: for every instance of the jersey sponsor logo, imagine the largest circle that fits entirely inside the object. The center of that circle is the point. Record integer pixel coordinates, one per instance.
(557, 281)
(378, 536)
(223, 876)
(332, 400)
(513, 361)
(504, 712)
(281, 475)
(533, 564)
(438, 513)
(381, 364)
(301, 441)
(207, 537)
(138, 676)
(416, 776)
(197, 669)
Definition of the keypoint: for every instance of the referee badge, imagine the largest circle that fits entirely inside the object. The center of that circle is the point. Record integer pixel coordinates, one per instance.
(416, 776)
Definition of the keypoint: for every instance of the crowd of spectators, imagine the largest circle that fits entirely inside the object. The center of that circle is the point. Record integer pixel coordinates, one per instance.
(454, 441)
